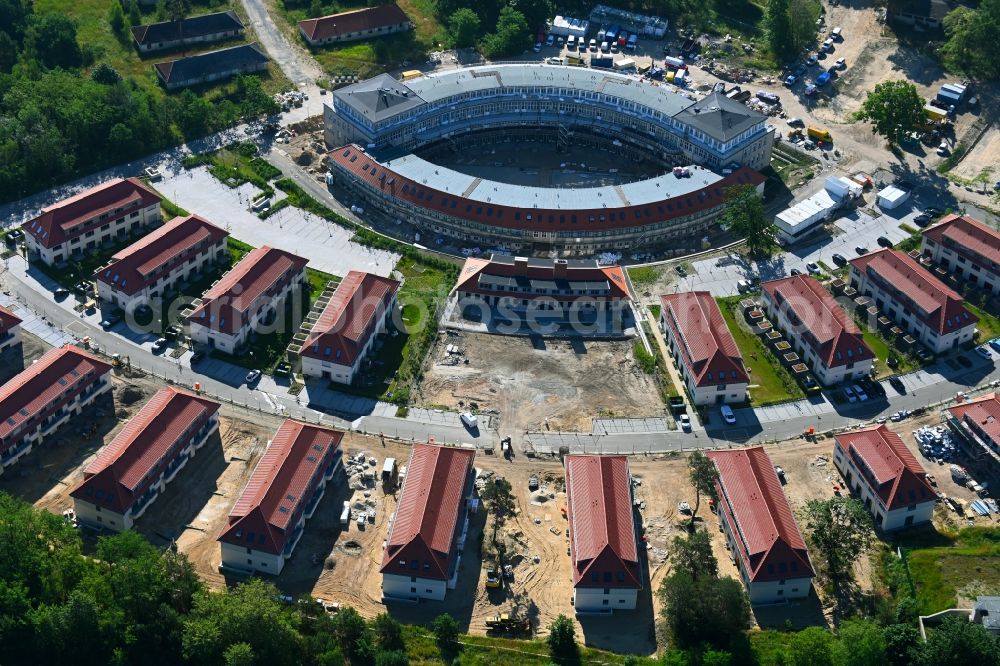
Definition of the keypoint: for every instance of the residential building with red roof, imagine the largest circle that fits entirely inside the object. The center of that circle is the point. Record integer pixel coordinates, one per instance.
(966, 247)
(886, 477)
(133, 470)
(428, 531)
(48, 394)
(927, 308)
(976, 426)
(761, 532)
(820, 331)
(268, 519)
(607, 574)
(251, 295)
(10, 329)
(78, 225)
(345, 332)
(356, 24)
(703, 348)
(157, 265)
(508, 293)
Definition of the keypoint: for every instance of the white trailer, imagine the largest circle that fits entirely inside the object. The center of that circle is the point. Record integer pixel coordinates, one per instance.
(891, 197)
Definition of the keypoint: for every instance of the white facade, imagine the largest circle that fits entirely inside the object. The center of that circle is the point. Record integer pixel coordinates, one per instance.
(714, 394)
(86, 512)
(318, 368)
(766, 591)
(914, 514)
(111, 231)
(825, 375)
(410, 587)
(802, 219)
(904, 315)
(28, 440)
(262, 307)
(250, 559)
(165, 284)
(983, 273)
(603, 600)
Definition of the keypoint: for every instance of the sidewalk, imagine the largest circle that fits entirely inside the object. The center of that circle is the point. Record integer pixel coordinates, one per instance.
(675, 376)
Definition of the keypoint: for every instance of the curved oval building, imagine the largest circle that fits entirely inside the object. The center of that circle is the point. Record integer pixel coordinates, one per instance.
(712, 144)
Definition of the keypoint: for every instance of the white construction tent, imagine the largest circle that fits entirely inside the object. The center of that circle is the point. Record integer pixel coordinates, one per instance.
(567, 25)
(891, 197)
(800, 220)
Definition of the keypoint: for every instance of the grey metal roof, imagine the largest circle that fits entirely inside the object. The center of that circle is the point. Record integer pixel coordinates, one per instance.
(542, 262)
(379, 98)
(552, 198)
(720, 117)
(201, 65)
(189, 28)
(988, 608)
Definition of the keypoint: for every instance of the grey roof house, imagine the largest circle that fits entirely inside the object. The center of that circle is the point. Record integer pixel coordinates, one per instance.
(928, 14)
(204, 29)
(211, 66)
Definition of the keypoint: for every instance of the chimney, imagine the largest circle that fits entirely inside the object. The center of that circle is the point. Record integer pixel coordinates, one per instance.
(559, 268)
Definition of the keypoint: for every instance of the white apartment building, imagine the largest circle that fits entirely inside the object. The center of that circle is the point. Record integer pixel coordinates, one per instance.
(966, 247)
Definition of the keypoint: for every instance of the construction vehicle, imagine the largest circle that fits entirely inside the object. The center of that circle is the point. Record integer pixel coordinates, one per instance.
(795, 134)
(819, 133)
(505, 624)
(492, 578)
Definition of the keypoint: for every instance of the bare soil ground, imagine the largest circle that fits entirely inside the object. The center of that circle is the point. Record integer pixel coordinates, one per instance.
(561, 383)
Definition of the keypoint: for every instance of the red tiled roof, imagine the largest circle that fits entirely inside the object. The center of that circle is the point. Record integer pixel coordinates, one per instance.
(63, 221)
(469, 279)
(750, 494)
(899, 479)
(8, 320)
(601, 522)
(428, 511)
(964, 233)
(838, 341)
(57, 372)
(132, 268)
(269, 507)
(345, 23)
(392, 184)
(706, 344)
(225, 306)
(122, 471)
(983, 411)
(944, 307)
(349, 319)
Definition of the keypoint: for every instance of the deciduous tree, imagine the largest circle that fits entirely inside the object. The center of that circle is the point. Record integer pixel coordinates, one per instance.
(562, 641)
(693, 556)
(893, 108)
(972, 45)
(778, 27)
(744, 217)
(511, 36)
(703, 475)
(463, 25)
(841, 530)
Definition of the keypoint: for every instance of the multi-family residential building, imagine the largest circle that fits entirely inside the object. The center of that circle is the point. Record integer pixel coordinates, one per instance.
(158, 264)
(966, 247)
(703, 348)
(353, 25)
(825, 336)
(428, 531)
(516, 288)
(976, 426)
(76, 226)
(761, 533)
(133, 470)
(881, 471)
(268, 519)
(191, 31)
(10, 329)
(607, 574)
(928, 309)
(249, 296)
(49, 393)
(338, 343)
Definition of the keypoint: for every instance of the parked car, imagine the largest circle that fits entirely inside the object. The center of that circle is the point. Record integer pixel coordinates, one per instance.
(744, 286)
(160, 344)
(860, 392)
(252, 377)
(849, 394)
(799, 70)
(796, 122)
(897, 383)
(790, 80)
(727, 414)
(823, 79)
(984, 352)
(861, 250)
(934, 212)
(110, 322)
(883, 241)
(922, 220)
(795, 271)
(685, 422)
(470, 421)
(827, 45)
(812, 60)
(995, 343)
(813, 268)
(61, 293)
(839, 260)
(840, 64)
(810, 90)
(550, 40)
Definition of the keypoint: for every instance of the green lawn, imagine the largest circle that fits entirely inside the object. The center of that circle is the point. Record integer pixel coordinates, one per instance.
(770, 382)
(988, 326)
(643, 275)
(938, 573)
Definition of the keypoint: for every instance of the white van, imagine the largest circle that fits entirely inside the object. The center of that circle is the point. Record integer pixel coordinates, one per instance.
(837, 33)
(469, 420)
(727, 414)
(593, 44)
(571, 41)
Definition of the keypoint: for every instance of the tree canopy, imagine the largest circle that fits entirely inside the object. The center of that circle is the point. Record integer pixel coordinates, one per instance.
(840, 529)
(703, 476)
(463, 25)
(893, 108)
(511, 36)
(972, 45)
(744, 217)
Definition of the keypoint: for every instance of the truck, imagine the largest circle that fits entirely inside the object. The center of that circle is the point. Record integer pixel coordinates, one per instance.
(625, 63)
(674, 63)
(411, 74)
(345, 514)
(602, 62)
(504, 623)
(390, 472)
(819, 133)
(632, 42)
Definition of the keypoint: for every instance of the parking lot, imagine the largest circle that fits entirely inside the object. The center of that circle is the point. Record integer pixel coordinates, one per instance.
(856, 228)
(328, 247)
